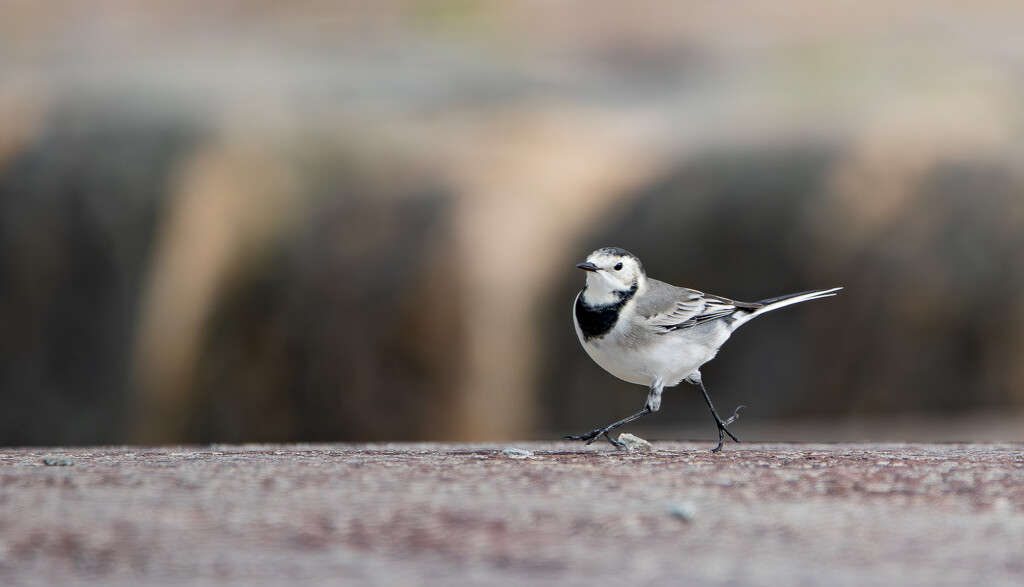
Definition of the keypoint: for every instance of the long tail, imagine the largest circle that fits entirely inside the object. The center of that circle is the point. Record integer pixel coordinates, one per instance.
(783, 301)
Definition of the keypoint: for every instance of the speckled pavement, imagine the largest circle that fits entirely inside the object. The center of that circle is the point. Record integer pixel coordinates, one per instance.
(442, 514)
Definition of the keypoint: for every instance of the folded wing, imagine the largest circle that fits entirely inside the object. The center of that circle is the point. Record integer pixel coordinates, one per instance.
(667, 308)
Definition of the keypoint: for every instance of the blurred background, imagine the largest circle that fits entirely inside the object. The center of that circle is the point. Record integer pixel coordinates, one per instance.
(357, 221)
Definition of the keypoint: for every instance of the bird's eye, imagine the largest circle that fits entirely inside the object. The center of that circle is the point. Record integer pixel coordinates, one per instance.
(618, 266)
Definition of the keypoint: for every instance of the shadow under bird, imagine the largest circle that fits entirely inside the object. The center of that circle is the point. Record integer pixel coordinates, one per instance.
(648, 332)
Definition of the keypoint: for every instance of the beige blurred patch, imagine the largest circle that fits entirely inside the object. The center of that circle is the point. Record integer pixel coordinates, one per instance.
(231, 200)
(879, 178)
(24, 106)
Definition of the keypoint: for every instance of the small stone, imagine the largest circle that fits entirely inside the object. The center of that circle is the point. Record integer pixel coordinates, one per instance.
(58, 462)
(682, 510)
(635, 443)
(516, 453)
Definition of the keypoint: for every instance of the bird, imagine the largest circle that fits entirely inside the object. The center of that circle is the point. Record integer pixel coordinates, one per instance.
(648, 332)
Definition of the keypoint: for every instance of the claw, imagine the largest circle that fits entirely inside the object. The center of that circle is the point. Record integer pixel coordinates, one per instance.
(615, 443)
(592, 436)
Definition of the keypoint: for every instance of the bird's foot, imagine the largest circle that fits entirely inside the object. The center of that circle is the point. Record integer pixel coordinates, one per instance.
(722, 430)
(593, 435)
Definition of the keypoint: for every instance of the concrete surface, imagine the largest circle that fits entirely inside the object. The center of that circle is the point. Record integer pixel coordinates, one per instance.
(415, 514)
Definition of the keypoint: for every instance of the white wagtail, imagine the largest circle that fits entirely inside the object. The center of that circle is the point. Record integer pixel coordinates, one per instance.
(646, 331)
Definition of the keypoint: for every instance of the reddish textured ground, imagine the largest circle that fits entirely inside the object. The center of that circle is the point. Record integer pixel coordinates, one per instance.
(413, 514)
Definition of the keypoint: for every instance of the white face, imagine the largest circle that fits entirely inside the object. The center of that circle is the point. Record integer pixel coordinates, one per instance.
(609, 271)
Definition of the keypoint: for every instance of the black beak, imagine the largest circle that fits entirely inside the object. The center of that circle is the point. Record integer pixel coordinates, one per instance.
(588, 266)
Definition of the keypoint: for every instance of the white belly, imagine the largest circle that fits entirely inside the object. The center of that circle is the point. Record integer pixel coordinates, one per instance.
(667, 358)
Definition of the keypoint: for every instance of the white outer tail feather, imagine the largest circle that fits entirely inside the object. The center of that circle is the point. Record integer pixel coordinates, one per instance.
(789, 301)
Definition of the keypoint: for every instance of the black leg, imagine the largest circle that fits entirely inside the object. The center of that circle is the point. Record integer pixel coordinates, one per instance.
(593, 435)
(722, 430)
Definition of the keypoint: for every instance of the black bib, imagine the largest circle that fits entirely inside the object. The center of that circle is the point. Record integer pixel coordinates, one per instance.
(596, 321)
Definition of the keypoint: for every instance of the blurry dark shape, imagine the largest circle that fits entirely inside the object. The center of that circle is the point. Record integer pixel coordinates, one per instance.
(350, 332)
(232, 204)
(159, 288)
(77, 208)
(288, 306)
(942, 289)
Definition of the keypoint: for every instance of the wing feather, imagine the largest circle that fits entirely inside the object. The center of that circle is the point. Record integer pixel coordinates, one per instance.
(668, 308)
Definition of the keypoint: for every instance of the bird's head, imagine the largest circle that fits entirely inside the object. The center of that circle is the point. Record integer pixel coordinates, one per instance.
(611, 272)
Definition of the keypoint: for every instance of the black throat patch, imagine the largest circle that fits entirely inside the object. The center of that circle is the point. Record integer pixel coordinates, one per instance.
(596, 321)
